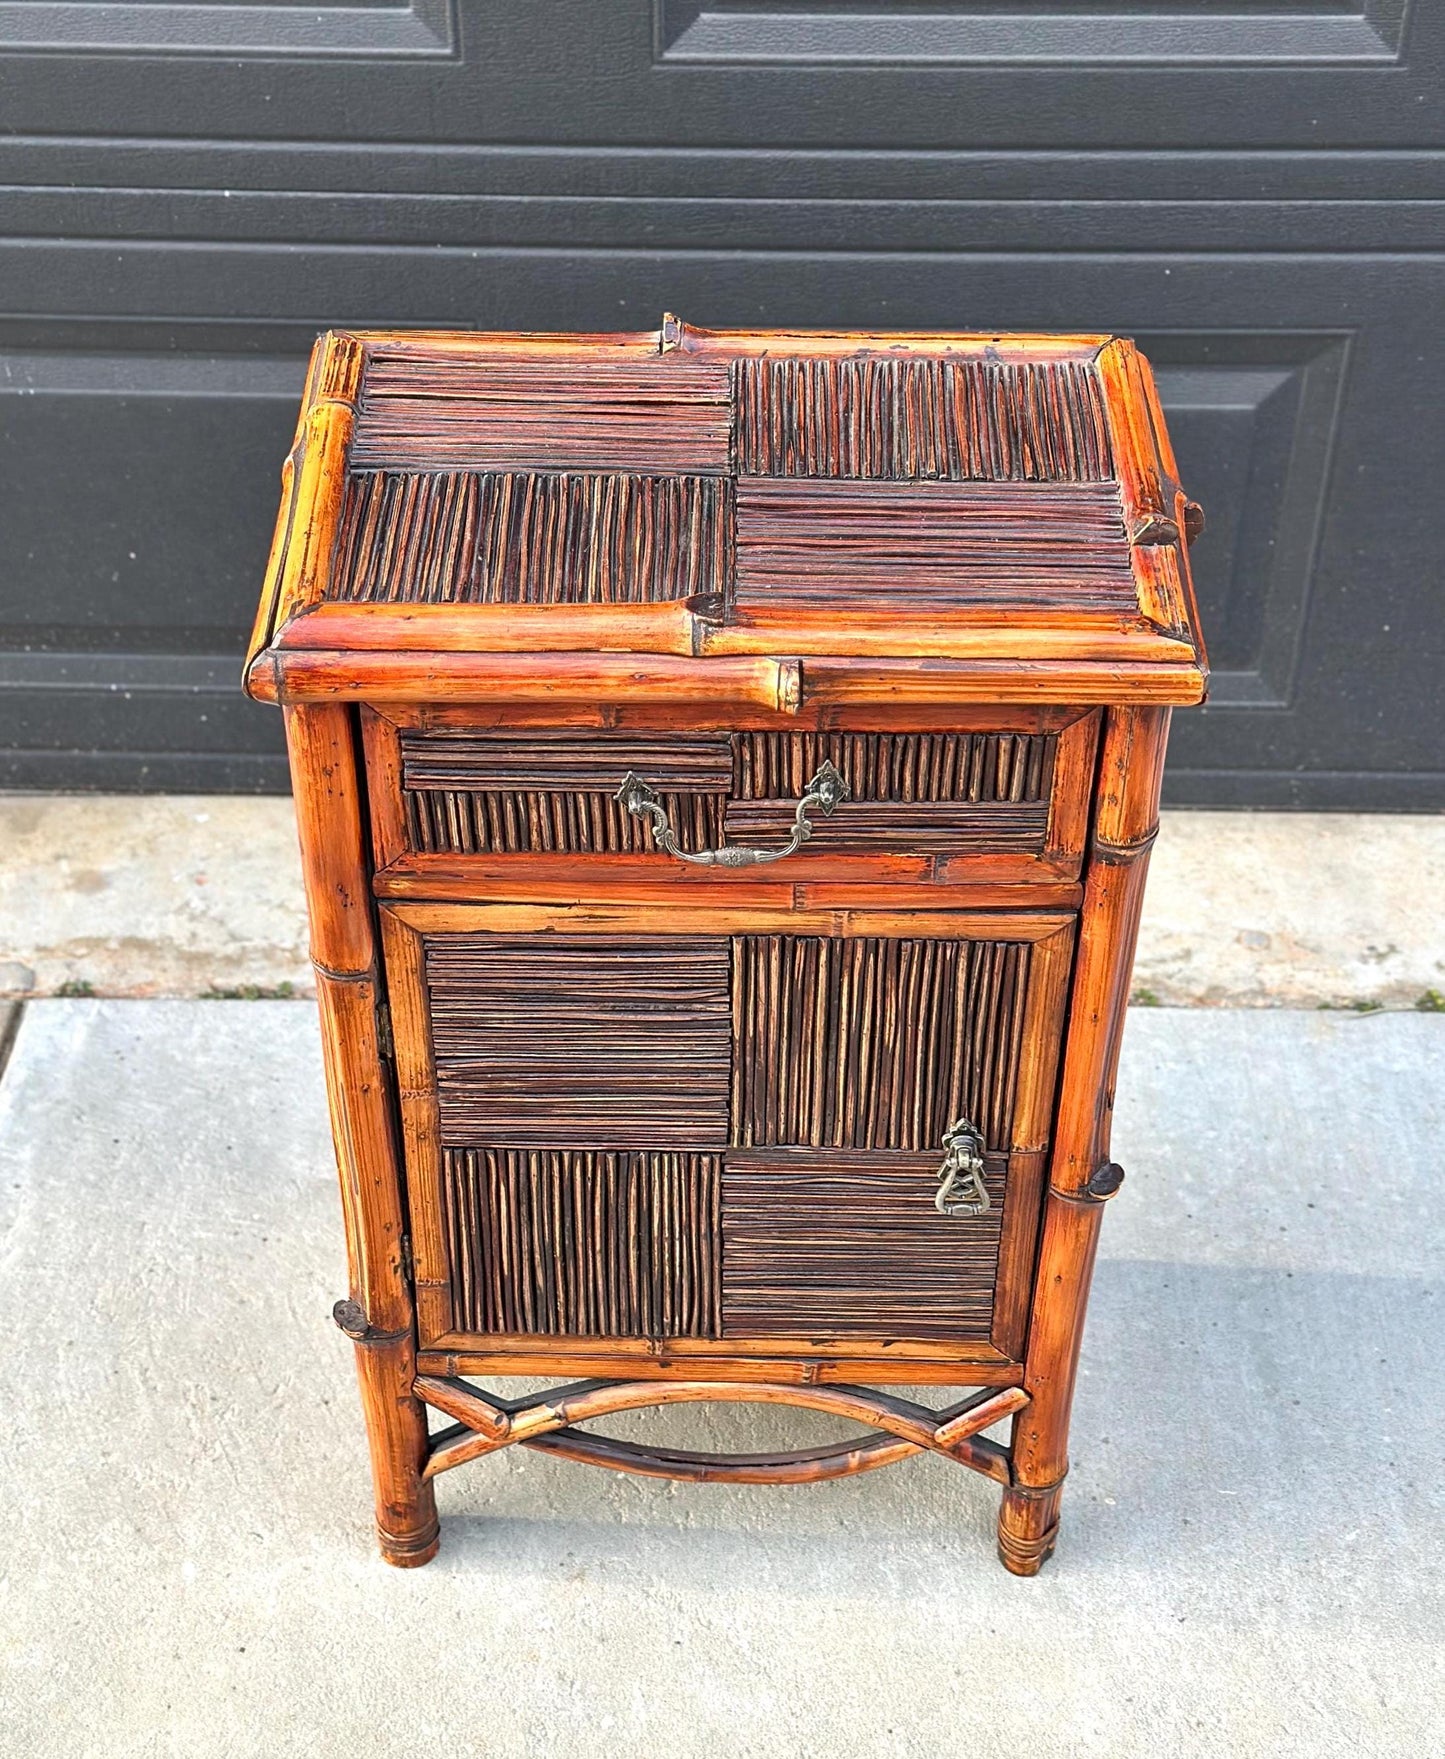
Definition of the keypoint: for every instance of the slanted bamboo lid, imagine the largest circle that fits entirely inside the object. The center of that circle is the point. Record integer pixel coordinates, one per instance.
(685, 513)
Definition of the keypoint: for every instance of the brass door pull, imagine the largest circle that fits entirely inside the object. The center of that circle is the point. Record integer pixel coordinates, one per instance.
(824, 791)
(961, 1190)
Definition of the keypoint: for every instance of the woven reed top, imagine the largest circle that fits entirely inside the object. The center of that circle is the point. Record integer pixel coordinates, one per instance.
(689, 492)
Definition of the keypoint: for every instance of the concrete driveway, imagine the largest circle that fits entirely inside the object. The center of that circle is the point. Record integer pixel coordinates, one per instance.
(1253, 1547)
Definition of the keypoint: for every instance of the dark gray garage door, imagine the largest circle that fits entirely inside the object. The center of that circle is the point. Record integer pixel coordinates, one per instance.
(191, 190)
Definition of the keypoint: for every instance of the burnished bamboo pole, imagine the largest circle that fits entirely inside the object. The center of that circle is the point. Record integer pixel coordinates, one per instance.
(379, 1315)
(1081, 1176)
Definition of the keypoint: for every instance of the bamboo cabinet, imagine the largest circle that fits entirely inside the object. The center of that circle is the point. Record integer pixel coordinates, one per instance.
(725, 766)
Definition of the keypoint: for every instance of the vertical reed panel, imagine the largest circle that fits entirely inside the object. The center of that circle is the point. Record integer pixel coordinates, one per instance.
(874, 1044)
(897, 766)
(516, 821)
(465, 537)
(949, 793)
(902, 419)
(561, 1242)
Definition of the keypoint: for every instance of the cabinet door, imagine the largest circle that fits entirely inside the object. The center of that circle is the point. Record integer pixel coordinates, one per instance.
(729, 1138)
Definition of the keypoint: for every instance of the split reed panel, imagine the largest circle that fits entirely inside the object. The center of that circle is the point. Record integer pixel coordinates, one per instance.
(583, 1244)
(526, 792)
(659, 415)
(900, 419)
(946, 793)
(595, 1042)
(553, 791)
(850, 1245)
(874, 1044)
(463, 537)
(939, 546)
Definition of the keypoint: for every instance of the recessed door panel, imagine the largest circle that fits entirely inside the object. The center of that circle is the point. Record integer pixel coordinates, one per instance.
(631, 1135)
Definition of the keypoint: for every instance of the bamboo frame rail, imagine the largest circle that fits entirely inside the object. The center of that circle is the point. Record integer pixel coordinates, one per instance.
(485, 1423)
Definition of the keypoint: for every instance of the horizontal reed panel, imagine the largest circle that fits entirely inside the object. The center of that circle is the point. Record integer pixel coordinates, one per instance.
(852, 1246)
(943, 827)
(449, 821)
(854, 545)
(870, 1043)
(518, 792)
(601, 380)
(897, 766)
(596, 1042)
(666, 415)
(904, 419)
(583, 1244)
(576, 758)
(463, 537)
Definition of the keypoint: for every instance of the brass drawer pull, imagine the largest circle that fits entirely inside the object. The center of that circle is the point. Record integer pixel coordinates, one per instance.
(961, 1190)
(824, 791)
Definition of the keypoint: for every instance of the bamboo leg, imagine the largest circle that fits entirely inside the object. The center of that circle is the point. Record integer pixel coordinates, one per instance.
(406, 1516)
(1028, 1525)
(1081, 1176)
(379, 1316)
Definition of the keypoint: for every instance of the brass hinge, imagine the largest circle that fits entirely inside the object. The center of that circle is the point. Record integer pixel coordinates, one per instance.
(385, 1043)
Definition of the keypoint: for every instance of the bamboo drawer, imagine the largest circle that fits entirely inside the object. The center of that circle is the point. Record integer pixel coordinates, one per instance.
(473, 809)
